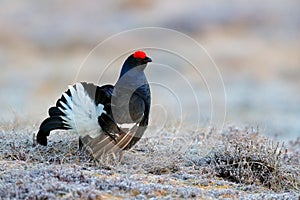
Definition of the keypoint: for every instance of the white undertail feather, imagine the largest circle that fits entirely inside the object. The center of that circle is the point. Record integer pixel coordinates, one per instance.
(81, 112)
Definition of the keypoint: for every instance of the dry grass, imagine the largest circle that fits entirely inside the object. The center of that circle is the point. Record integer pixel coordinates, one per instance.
(250, 158)
(169, 164)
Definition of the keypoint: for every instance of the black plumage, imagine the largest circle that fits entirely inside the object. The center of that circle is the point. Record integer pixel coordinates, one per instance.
(88, 108)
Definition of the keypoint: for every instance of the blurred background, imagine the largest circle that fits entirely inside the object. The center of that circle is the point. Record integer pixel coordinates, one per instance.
(256, 46)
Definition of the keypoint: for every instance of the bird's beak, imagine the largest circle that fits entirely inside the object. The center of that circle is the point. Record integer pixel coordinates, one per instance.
(147, 59)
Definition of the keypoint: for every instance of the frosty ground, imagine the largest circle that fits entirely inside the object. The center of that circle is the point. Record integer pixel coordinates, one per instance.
(202, 164)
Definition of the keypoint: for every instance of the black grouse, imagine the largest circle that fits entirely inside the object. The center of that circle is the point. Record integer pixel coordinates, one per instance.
(98, 113)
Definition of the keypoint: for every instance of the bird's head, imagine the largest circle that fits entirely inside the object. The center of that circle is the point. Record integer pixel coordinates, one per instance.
(137, 61)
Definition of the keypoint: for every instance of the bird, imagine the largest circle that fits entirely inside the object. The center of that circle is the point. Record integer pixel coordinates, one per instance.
(97, 113)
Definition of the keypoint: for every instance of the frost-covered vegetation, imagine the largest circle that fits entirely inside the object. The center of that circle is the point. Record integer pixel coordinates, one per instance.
(169, 164)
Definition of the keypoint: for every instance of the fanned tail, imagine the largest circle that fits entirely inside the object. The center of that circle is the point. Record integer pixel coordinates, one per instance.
(75, 110)
(49, 124)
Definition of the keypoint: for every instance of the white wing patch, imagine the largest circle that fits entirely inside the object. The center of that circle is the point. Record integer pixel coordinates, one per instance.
(81, 112)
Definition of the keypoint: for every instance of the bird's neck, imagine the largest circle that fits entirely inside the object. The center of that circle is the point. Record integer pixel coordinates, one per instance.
(133, 80)
(134, 77)
(127, 69)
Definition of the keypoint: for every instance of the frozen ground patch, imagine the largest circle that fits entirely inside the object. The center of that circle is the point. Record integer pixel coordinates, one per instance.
(155, 168)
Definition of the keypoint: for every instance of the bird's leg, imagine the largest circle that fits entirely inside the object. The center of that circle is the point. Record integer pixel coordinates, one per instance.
(121, 154)
(83, 141)
(80, 144)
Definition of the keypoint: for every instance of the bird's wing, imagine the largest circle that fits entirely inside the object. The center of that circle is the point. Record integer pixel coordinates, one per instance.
(104, 144)
(121, 139)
